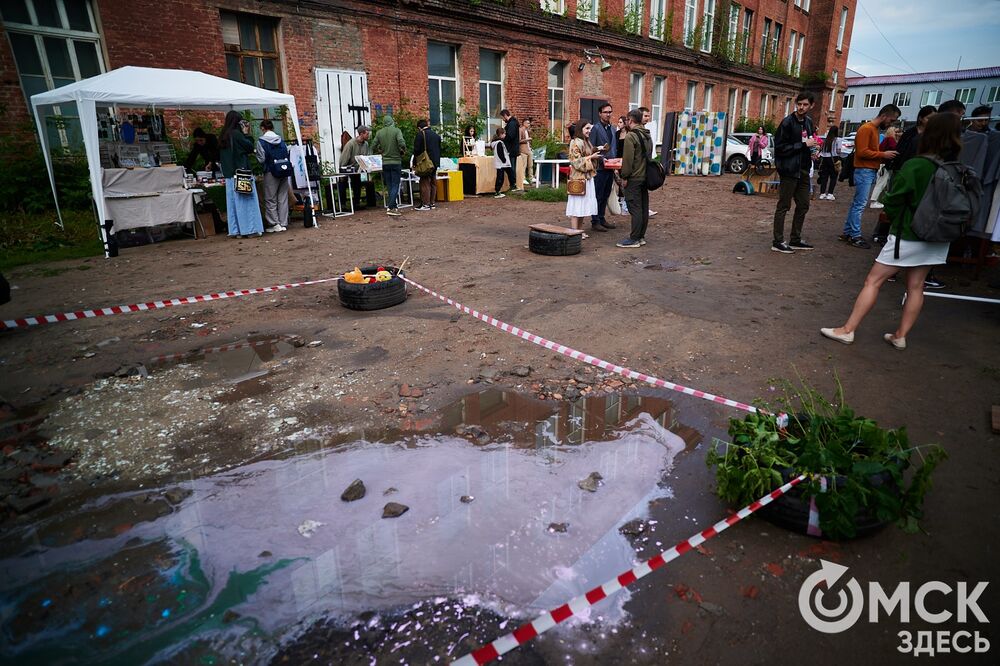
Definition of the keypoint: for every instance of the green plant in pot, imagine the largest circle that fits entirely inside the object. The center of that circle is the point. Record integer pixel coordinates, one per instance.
(857, 476)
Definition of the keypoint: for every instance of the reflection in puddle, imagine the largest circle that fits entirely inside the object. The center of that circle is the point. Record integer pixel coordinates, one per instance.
(232, 558)
(230, 364)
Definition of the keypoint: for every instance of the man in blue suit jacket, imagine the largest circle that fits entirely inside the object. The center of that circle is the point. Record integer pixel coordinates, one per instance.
(603, 134)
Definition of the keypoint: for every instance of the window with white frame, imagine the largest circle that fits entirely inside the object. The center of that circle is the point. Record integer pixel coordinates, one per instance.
(553, 6)
(788, 106)
(901, 99)
(836, 77)
(873, 100)
(993, 95)
(692, 94)
(709, 88)
(557, 74)
(763, 106)
(708, 20)
(734, 25)
(731, 107)
(690, 12)
(490, 90)
(798, 54)
(636, 81)
(791, 48)
(833, 100)
(805, 5)
(442, 82)
(841, 29)
(931, 97)
(656, 106)
(776, 41)
(588, 10)
(849, 101)
(633, 16)
(55, 43)
(765, 39)
(965, 95)
(745, 106)
(657, 18)
(747, 27)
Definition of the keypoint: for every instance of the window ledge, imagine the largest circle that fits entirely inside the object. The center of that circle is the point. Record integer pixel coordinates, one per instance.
(586, 20)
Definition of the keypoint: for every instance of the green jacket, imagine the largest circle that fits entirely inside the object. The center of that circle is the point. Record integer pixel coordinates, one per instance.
(237, 154)
(634, 153)
(908, 187)
(389, 143)
(349, 156)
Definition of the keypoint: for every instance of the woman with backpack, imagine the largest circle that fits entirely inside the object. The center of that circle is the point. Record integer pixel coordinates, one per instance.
(235, 148)
(272, 153)
(941, 140)
(581, 200)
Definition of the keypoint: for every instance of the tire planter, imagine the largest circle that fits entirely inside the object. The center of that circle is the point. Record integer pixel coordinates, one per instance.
(374, 296)
(554, 245)
(791, 510)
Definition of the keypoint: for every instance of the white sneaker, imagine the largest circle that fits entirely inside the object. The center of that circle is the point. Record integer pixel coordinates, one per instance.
(273, 230)
(824, 196)
(499, 195)
(830, 197)
(652, 213)
(282, 228)
(876, 204)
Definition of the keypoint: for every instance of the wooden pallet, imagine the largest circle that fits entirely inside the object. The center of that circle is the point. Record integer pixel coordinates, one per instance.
(553, 229)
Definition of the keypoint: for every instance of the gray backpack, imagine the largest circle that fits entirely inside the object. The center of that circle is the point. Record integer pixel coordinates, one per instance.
(949, 205)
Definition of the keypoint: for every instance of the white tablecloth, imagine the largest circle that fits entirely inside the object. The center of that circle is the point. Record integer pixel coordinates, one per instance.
(146, 197)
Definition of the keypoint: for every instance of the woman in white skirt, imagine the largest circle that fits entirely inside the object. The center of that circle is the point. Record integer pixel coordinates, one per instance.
(941, 139)
(580, 207)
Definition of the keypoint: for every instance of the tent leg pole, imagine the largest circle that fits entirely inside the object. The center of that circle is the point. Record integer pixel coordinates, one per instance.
(107, 238)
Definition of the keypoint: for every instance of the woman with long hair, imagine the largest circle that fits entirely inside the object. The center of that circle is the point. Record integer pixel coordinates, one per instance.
(580, 207)
(758, 142)
(829, 158)
(235, 148)
(941, 140)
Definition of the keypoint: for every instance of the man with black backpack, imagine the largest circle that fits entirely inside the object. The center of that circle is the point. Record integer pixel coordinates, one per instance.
(272, 153)
(635, 149)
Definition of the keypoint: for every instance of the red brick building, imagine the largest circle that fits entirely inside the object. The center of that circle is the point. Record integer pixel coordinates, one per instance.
(548, 59)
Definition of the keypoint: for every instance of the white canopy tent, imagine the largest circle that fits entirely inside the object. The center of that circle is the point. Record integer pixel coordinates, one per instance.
(141, 87)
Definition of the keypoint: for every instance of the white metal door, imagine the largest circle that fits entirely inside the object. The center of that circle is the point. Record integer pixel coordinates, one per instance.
(341, 105)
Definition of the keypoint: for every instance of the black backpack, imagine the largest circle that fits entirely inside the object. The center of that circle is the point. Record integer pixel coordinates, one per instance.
(655, 172)
(950, 203)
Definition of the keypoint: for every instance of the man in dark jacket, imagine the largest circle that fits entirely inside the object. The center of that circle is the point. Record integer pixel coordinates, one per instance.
(511, 142)
(205, 146)
(635, 150)
(793, 155)
(429, 140)
(603, 134)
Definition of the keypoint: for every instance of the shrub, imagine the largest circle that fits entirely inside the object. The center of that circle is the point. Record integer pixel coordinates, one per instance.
(25, 186)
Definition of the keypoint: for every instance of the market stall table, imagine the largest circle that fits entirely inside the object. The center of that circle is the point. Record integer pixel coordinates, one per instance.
(555, 164)
(135, 198)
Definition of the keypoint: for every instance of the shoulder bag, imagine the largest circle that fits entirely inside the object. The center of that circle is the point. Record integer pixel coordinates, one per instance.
(243, 181)
(423, 166)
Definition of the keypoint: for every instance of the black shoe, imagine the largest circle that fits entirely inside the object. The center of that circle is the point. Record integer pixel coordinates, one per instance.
(934, 283)
(799, 245)
(598, 228)
(609, 225)
(844, 238)
(781, 246)
(860, 242)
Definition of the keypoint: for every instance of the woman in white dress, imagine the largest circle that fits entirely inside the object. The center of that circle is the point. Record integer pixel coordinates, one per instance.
(942, 140)
(580, 207)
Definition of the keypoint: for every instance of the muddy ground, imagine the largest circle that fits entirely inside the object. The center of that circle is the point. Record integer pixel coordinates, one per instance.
(704, 304)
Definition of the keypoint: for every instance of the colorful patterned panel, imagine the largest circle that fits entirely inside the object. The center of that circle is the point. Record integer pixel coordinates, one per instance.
(700, 143)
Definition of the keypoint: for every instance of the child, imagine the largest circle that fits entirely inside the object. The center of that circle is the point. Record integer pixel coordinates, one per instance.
(501, 160)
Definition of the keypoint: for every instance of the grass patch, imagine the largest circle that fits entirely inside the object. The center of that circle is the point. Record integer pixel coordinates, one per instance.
(31, 238)
(549, 194)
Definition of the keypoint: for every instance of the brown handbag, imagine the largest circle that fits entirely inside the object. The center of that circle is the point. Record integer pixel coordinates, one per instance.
(576, 187)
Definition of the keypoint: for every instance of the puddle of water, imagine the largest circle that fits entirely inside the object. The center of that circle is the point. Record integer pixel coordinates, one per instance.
(230, 364)
(234, 571)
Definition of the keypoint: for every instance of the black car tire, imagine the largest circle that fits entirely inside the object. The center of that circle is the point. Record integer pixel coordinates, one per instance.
(374, 296)
(555, 245)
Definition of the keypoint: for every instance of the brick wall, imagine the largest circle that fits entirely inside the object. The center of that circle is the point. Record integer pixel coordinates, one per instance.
(388, 40)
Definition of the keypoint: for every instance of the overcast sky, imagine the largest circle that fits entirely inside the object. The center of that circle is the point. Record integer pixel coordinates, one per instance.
(930, 35)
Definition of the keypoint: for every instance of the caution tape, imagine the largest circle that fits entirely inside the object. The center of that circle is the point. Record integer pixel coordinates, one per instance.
(153, 305)
(586, 358)
(551, 618)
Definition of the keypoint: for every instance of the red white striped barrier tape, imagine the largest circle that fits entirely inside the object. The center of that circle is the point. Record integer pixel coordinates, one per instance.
(586, 358)
(153, 305)
(551, 618)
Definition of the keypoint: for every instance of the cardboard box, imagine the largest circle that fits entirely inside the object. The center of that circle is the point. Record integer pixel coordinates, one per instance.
(205, 225)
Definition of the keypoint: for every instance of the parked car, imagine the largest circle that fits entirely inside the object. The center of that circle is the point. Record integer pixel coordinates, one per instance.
(847, 144)
(744, 137)
(737, 155)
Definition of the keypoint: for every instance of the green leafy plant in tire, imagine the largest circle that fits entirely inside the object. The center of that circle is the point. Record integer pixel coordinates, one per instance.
(864, 464)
